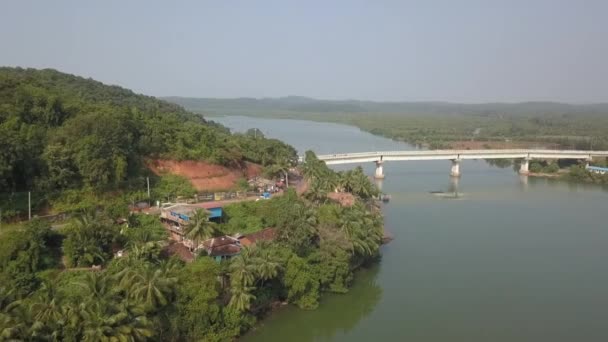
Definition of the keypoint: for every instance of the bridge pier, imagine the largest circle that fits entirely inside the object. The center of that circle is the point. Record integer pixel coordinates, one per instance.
(379, 170)
(524, 167)
(455, 171)
(587, 162)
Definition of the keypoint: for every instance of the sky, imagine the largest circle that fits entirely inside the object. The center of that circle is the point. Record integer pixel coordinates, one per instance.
(431, 50)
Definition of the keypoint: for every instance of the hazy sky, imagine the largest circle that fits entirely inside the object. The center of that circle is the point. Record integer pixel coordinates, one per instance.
(462, 51)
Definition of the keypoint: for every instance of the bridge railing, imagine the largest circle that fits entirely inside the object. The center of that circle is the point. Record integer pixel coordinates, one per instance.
(523, 152)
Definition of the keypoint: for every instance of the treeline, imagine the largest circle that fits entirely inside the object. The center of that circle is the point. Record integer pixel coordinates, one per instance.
(577, 173)
(147, 295)
(61, 131)
(435, 125)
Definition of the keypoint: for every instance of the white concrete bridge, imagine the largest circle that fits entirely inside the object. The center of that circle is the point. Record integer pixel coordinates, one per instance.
(455, 156)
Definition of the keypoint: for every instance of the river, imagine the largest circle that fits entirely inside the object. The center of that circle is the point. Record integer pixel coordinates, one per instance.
(511, 259)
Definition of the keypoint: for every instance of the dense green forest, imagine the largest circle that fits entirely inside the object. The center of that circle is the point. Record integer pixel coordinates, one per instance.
(62, 132)
(59, 131)
(435, 124)
(48, 293)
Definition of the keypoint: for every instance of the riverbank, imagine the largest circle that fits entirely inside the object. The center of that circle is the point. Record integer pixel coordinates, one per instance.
(556, 175)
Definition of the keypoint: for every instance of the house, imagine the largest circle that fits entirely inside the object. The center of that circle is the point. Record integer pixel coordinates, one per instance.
(597, 169)
(175, 217)
(222, 247)
(179, 250)
(266, 234)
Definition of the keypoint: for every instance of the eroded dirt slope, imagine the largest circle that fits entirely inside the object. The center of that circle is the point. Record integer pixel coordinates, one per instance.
(205, 176)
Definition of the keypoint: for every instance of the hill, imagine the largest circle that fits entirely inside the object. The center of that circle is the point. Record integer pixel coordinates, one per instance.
(60, 131)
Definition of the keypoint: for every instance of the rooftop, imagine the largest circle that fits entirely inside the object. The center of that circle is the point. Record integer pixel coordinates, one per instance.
(266, 234)
(179, 250)
(181, 208)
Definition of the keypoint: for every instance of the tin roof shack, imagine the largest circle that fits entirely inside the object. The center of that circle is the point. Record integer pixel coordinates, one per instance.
(176, 217)
(266, 234)
(222, 247)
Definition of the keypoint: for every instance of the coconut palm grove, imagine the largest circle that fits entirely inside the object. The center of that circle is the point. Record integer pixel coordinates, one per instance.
(103, 273)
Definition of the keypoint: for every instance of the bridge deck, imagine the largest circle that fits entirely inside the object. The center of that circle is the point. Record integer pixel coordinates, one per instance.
(347, 158)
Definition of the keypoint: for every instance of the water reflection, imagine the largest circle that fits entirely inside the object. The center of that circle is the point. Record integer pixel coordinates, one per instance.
(379, 183)
(523, 181)
(323, 323)
(453, 187)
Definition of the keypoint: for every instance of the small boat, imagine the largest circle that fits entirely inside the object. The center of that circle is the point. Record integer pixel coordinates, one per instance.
(448, 195)
(385, 197)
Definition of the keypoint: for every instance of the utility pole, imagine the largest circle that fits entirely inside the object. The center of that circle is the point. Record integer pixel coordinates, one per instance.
(29, 205)
(148, 183)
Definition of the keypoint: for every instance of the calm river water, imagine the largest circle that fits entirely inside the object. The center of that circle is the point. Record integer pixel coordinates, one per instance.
(513, 259)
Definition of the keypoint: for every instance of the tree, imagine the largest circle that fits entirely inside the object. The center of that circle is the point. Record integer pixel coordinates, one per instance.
(255, 133)
(89, 240)
(297, 226)
(14, 320)
(197, 314)
(243, 268)
(199, 227)
(171, 186)
(152, 286)
(301, 283)
(241, 297)
(281, 167)
(268, 264)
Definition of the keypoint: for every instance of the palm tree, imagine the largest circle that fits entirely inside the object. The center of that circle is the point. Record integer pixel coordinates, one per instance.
(101, 325)
(99, 288)
(241, 297)
(88, 239)
(47, 306)
(243, 268)
(316, 192)
(361, 229)
(199, 227)
(282, 167)
(14, 318)
(153, 286)
(268, 267)
(313, 168)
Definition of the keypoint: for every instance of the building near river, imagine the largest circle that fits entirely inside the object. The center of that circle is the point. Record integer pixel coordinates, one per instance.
(222, 247)
(176, 217)
(597, 169)
(266, 234)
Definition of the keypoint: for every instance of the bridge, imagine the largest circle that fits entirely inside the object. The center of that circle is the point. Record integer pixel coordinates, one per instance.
(455, 156)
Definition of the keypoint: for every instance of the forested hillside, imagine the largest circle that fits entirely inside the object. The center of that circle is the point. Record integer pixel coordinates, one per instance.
(61, 131)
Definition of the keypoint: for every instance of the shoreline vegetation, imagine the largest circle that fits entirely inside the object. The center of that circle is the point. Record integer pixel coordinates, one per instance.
(562, 170)
(435, 125)
(105, 273)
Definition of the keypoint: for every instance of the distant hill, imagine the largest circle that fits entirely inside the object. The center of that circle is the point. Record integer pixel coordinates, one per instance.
(435, 124)
(304, 105)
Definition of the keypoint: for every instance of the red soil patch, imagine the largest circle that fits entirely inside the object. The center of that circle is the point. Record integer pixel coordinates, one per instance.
(344, 198)
(205, 176)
